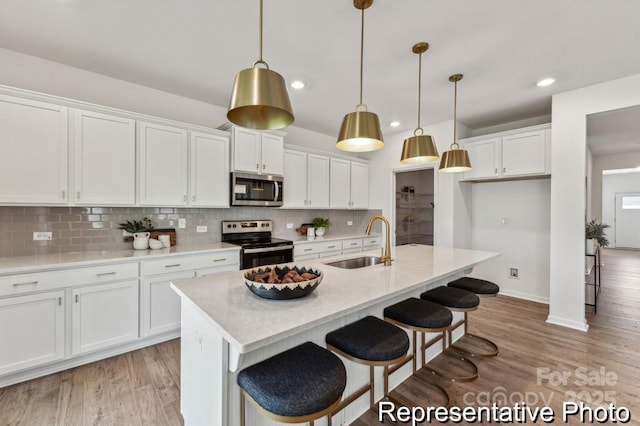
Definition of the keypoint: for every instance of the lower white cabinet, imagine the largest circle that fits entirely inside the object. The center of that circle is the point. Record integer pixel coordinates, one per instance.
(160, 310)
(333, 247)
(32, 331)
(103, 315)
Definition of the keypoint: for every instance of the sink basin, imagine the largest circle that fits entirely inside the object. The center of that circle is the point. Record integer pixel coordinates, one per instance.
(358, 262)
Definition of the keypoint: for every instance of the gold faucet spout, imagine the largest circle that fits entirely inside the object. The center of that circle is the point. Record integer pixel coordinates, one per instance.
(386, 255)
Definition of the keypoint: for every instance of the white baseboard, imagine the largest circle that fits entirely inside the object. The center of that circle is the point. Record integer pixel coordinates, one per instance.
(576, 325)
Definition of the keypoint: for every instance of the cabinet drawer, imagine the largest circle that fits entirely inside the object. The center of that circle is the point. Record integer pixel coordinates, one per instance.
(369, 243)
(352, 243)
(39, 281)
(189, 263)
(313, 248)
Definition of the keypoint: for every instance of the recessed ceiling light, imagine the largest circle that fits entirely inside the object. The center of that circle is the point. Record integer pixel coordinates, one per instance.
(546, 82)
(394, 124)
(297, 84)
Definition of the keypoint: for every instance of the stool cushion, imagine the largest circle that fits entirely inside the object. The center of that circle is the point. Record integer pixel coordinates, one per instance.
(370, 339)
(419, 313)
(300, 381)
(475, 285)
(452, 297)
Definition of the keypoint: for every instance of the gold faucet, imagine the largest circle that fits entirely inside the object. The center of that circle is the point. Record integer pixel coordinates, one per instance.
(386, 256)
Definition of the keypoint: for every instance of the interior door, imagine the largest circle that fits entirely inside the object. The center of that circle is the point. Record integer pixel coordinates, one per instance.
(627, 226)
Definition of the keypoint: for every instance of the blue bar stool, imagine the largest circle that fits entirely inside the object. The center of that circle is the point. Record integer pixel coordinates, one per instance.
(481, 288)
(458, 300)
(299, 385)
(422, 317)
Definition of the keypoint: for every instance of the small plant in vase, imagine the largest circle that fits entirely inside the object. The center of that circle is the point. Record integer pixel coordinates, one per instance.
(140, 231)
(595, 235)
(321, 225)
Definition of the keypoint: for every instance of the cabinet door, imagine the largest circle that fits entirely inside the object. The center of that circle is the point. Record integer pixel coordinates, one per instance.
(318, 181)
(246, 150)
(163, 165)
(272, 149)
(523, 154)
(209, 186)
(295, 173)
(340, 172)
(359, 186)
(104, 315)
(485, 159)
(32, 331)
(105, 159)
(33, 164)
(160, 306)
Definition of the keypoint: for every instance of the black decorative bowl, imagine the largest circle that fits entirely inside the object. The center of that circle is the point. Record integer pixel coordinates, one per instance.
(281, 290)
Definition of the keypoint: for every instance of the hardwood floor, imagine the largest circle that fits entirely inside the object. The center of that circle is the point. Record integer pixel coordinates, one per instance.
(142, 387)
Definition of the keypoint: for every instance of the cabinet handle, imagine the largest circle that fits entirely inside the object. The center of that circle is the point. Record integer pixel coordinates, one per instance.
(76, 298)
(172, 266)
(496, 171)
(59, 301)
(305, 202)
(103, 274)
(354, 244)
(78, 195)
(309, 249)
(331, 247)
(309, 202)
(184, 198)
(64, 195)
(27, 283)
(263, 166)
(257, 166)
(219, 260)
(193, 198)
(504, 169)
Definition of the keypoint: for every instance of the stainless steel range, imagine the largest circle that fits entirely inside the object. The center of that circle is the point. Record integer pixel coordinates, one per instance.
(258, 247)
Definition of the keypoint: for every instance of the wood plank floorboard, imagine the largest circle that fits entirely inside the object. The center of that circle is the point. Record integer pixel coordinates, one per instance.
(142, 387)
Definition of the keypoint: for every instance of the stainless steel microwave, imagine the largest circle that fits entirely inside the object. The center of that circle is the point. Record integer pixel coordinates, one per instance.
(248, 189)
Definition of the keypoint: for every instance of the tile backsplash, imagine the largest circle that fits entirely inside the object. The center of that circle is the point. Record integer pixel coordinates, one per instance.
(76, 229)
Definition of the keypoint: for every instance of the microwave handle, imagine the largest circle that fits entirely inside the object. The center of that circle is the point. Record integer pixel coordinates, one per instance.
(277, 191)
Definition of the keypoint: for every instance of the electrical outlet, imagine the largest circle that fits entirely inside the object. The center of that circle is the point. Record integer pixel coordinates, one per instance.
(201, 228)
(289, 225)
(182, 222)
(513, 272)
(349, 223)
(42, 236)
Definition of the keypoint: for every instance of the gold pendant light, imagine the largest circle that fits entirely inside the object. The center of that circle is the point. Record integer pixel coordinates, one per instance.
(456, 159)
(259, 99)
(419, 148)
(360, 130)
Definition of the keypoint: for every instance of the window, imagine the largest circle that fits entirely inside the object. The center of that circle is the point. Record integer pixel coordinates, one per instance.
(629, 203)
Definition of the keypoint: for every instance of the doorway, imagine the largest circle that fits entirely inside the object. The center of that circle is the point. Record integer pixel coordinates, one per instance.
(627, 220)
(414, 207)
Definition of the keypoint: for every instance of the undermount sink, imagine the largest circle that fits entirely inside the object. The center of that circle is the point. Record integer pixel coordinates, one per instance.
(357, 262)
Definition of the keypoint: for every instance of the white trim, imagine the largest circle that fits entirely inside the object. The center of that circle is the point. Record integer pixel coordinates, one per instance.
(576, 325)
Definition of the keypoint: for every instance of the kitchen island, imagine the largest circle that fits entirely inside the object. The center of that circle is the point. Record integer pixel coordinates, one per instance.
(225, 327)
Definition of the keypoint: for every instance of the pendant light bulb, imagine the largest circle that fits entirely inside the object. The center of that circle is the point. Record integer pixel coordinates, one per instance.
(259, 99)
(360, 130)
(456, 159)
(419, 148)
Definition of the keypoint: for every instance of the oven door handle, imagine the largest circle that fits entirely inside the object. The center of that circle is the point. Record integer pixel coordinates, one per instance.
(267, 249)
(277, 190)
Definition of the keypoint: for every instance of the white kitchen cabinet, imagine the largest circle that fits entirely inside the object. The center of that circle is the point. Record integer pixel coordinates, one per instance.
(371, 242)
(256, 151)
(33, 330)
(352, 245)
(349, 184)
(518, 153)
(105, 159)
(103, 315)
(163, 174)
(316, 249)
(209, 170)
(36, 170)
(307, 180)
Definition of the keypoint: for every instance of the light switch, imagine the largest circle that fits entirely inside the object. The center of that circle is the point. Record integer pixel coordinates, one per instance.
(182, 222)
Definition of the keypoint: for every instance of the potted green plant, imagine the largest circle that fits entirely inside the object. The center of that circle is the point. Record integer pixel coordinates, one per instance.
(321, 225)
(140, 231)
(595, 235)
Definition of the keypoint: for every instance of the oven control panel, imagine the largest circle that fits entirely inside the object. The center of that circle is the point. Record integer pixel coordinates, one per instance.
(238, 226)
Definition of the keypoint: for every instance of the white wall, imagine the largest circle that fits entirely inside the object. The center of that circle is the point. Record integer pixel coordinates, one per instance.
(512, 218)
(612, 184)
(568, 147)
(452, 220)
(627, 160)
(39, 75)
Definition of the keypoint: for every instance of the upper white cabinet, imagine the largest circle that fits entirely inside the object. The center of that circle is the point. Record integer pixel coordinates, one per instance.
(514, 154)
(163, 165)
(349, 184)
(307, 180)
(34, 162)
(256, 151)
(209, 170)
(105, 159)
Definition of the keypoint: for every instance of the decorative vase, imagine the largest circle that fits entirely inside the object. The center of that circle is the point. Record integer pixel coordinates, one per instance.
(320, 231)
(141, 240)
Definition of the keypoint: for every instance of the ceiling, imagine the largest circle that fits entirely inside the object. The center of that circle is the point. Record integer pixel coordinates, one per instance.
(194, 48)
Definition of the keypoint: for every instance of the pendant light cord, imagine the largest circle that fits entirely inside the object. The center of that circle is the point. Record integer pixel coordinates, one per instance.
(419, 89)
(260, 60)
(361, 53)
(455, 119)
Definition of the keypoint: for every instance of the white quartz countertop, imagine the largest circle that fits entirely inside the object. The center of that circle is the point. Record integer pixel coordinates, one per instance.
(249, 322)
(23, 264)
